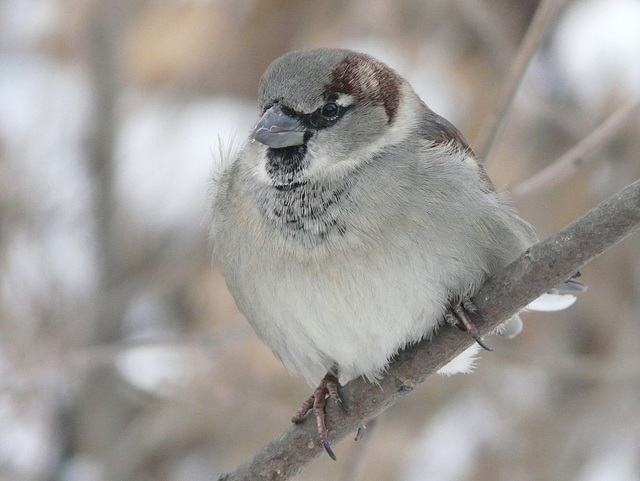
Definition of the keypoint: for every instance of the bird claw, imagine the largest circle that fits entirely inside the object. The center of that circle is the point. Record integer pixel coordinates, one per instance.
(340, 404)
(328, 387)
(478, 338)
(458, 316)
(327, 448)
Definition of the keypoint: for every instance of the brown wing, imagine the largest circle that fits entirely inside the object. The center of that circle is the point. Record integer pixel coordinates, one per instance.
(441, 131)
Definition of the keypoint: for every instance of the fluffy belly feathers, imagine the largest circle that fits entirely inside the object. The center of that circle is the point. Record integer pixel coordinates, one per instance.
(336, 310)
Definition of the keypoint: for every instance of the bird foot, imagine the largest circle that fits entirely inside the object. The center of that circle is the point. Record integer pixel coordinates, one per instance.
(329, 387)
(458, 315)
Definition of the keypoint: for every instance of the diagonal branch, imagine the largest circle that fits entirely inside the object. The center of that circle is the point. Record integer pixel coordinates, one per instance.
(544, 265)
(542, 21)
(585, 150)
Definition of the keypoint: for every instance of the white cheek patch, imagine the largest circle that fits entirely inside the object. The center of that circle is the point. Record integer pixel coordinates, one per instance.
(255, 150)
(261, 174)
(407, 116)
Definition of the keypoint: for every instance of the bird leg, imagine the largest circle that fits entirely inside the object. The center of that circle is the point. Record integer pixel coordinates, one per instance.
(458, 315)
(329, 387)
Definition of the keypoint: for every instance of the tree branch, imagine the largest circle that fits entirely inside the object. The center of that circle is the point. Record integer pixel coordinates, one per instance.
(543, 266)
(585, 150)
(542, 21)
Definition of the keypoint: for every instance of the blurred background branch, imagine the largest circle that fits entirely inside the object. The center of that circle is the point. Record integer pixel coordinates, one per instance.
(584, 151)
(544, 18)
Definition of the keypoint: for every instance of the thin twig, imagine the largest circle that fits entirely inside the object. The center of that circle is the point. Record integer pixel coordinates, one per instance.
(540, 25)
(570, 162)
(544, 265)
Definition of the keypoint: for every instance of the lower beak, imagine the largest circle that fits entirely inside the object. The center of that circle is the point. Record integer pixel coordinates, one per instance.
(277, 130)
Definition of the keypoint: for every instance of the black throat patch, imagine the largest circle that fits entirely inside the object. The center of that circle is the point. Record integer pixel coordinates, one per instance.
(306, 211)
(285, 165)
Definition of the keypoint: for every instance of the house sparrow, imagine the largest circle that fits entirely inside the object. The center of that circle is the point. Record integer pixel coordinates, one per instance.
(355, 221)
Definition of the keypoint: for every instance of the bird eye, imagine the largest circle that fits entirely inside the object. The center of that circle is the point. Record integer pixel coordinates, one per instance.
(330, 110)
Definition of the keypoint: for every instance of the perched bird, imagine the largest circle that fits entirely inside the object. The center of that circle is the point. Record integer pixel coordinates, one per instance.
(354, 221)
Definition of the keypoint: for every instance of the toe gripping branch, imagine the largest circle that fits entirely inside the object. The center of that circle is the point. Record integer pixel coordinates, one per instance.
(458, 315)
(328, 387)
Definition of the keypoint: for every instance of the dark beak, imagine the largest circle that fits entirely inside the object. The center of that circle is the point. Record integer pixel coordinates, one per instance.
(277, 130)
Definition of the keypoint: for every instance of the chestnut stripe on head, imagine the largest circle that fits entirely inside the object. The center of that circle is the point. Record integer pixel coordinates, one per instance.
(368, 80)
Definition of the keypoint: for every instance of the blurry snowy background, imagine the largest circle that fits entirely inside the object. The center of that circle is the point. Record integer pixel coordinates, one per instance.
(122, 355)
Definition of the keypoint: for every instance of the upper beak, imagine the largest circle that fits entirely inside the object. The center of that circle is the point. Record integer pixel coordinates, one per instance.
(277, 130)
